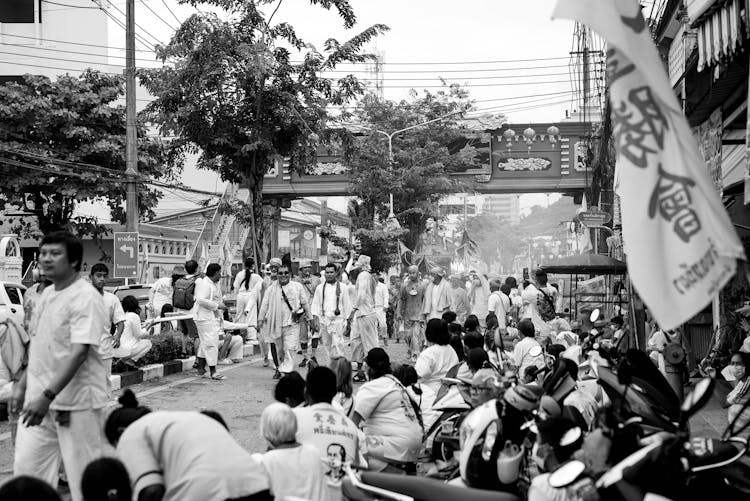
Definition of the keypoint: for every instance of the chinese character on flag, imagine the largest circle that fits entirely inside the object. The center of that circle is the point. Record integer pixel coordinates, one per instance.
(681, 246)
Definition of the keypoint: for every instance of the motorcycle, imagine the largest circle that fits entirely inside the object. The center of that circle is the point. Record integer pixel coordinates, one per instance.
(669, 464)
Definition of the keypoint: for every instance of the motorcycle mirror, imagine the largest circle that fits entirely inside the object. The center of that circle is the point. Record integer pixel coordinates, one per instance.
(594, 315)
(566, 474)
(697, 398)
(535, 351)
(571, 436)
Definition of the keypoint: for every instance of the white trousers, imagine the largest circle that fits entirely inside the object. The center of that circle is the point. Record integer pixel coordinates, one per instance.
(286, 347)
(208, 333)
(332, 335)
(40, 448)
(236, 348)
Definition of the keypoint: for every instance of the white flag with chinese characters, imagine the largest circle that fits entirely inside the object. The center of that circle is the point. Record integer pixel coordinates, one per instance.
(682, 248)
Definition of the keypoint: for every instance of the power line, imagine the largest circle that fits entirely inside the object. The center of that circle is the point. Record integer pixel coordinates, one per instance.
(119, 23)
(49, 58)
(433, 63)
(170, 11)
(157, 15)
(122, 25)
(93, 54)
(70, 43)
(65, 5)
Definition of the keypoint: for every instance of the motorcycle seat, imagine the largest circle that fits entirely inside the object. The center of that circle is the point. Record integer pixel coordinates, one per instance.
(427, 489)
(706, 452)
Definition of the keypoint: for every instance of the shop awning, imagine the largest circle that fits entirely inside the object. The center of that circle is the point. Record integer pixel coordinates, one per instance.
(719, 24)
(585, 264)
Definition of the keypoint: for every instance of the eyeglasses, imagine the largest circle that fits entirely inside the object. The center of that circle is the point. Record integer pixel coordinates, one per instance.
(282, 273)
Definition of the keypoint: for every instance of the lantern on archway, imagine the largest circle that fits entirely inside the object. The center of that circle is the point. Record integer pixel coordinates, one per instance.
(553, 132)
(509, 135)
(529, 134)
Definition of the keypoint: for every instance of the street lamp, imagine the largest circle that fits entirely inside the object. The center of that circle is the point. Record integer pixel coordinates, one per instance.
(391, 216)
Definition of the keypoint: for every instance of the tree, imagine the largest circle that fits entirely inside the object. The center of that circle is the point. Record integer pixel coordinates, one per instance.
(63, 142)
(235, 95)
(420, 173)
(496, 238)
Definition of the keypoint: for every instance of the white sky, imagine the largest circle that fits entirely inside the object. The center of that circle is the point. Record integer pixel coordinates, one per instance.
(440, 32)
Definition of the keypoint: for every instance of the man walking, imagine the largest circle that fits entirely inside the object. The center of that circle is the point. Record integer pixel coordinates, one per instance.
(206, 311)
(459, 299)
(62, 395)
(309, 284)
(284, 305)
(499, 304)
(331, 306)
(409, 311)
(436, 299)
(381, 303)
(115, 318)
(253, 307)
(363, 317)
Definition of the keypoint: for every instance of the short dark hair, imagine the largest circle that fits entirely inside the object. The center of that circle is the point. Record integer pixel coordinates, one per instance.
(378, 362)
(471, 323)
(249, 262)
(104, 477)
(526, 328)
(99, 268)
(541, 276)
(72, 244)
(512, 282)
(290, 388)
(124, 416)
(167, 308)
(555, 350)
(130, 304)
(332, 265)
(618, 320)
(473, 339)
(505, 289)
(191, 266)
(476, 358)
(321, 385)
(26, 487)
(212, 269)
(449, 317)
(437, 332)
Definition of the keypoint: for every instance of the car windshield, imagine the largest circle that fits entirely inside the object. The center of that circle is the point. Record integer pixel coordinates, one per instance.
(140, 293)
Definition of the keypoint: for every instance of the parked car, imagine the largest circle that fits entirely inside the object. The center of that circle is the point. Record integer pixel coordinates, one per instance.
(141, 293)
(11, 301)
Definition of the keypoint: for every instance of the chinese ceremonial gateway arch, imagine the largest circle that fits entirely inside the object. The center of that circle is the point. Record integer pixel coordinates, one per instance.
(523, 158)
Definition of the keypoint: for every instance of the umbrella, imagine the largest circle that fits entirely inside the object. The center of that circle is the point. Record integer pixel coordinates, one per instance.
(585, 264)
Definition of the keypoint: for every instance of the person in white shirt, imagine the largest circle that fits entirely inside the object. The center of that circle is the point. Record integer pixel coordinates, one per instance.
(434, 362)
(381, 303)
(459, 299)
(132, 344)
(530, 297)
(331, 306)
(499, 304)
(182, 456)
(436, 298)
(522, 356)
(115, 316)
(295, 470)
(364, 320)
(283, 305)
(479, 292)
(243, 285)
(62, 394)
(327, 428)
(253, 307)
(206, 311)
(161, 294)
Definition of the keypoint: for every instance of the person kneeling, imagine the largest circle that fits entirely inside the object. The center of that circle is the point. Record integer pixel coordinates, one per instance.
(132, 346)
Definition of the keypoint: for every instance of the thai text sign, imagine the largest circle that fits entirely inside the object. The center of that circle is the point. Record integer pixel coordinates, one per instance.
(125, 254)
(681, 246)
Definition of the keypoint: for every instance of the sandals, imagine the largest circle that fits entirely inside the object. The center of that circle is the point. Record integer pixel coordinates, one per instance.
(218, 377)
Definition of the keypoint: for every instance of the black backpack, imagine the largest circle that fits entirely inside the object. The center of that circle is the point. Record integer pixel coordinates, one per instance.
(183, 295)
(546, 306)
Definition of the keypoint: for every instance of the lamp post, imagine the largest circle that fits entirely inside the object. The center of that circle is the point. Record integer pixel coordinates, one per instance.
(391, 216)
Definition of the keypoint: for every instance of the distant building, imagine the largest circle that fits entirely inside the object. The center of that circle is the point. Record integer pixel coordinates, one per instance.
(505, 206)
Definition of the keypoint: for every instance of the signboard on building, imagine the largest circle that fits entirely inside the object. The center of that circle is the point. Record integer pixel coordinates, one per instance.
(594, 217)
(125, 254)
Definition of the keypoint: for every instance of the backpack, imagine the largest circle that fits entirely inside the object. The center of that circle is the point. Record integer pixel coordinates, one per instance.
(183, 295)
(546, 306)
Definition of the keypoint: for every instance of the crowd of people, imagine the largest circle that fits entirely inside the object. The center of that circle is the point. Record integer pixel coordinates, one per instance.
(496, 339)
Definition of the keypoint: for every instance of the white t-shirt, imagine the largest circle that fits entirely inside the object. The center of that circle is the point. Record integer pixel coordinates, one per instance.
(381, 296)
(115, 315)
(434, 363)
(191, 454)
(207, 299)
(74, 315)
(392, 430)
(334, 435)
(161, 294)
(131, 333)
(523, 358)
(240, 278)
(328, 310)
(295, 473)
(499, 304)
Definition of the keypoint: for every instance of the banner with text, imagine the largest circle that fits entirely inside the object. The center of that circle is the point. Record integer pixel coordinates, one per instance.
(681, 246)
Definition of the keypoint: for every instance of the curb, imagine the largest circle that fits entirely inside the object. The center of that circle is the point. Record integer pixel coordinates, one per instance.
(156, 371)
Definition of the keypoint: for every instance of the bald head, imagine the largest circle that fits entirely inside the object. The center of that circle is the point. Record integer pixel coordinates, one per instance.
(413, 272)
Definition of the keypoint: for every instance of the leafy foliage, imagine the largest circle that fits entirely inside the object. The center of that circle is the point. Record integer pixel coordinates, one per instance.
(63, 142)
(420, 172)
(236, 96)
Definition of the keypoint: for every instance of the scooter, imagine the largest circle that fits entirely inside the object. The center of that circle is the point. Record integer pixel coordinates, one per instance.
(667, 464)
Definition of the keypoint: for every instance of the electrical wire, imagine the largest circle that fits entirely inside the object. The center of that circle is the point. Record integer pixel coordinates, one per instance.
(157, 15)
(70, 43)
(136, 24)
(119, 23)
(92, 54)
(50, 58)
(170, 11)
(65, 5)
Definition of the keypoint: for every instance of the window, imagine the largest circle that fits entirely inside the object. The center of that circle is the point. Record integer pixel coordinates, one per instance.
(19, 11)
(14, 295)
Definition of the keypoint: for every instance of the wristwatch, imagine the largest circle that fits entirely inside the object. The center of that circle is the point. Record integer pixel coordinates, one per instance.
(49, 394)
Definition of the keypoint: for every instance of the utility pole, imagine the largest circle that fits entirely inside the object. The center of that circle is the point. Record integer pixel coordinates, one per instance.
(131, 146)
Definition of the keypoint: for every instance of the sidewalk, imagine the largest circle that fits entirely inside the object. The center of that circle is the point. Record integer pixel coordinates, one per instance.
(712, 419)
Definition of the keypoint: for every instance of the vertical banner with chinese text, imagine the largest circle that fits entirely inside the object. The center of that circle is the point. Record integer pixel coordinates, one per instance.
(681, 246)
